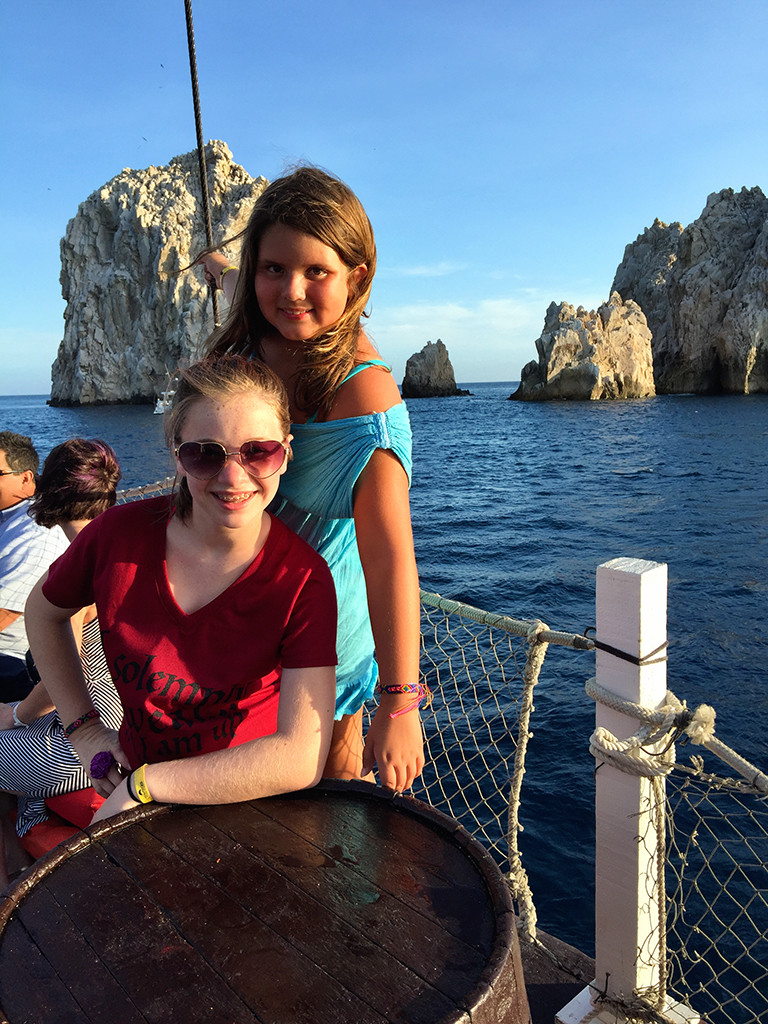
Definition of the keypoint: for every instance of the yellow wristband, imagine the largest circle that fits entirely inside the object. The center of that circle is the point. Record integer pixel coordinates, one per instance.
(226, 270)
(137, 786)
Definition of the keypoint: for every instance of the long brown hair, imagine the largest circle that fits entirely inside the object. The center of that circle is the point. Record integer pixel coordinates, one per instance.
(318, 204)
(218, 377)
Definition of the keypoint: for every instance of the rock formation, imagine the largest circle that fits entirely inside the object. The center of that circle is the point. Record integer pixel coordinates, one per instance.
(429, 374)
(133, 312)
(704, 292)
(583, 355)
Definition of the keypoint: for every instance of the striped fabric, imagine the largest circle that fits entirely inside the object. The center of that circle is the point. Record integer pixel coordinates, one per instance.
(37, 761)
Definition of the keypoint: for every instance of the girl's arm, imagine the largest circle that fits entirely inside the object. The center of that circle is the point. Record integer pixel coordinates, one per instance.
(214, 265)
(55, 650)
(385, 542)
(36, 704)
(291, 758)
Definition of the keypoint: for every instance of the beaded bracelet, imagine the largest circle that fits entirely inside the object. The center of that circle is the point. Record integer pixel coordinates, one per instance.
(93, 713)
(137, 786)
(226, 270)
(421, 690)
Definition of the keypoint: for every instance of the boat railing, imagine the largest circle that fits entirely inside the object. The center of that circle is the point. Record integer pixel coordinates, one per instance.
(146, 490)
(681, 849)
(681, 897)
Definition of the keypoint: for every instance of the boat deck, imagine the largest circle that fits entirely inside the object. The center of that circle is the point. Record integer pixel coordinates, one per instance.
(549, 986)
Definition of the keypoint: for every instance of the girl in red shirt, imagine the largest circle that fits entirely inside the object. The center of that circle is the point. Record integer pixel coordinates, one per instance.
(218, 623)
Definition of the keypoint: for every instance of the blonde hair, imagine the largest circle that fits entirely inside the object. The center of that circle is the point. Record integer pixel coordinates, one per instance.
(318, 204)
(217, 377)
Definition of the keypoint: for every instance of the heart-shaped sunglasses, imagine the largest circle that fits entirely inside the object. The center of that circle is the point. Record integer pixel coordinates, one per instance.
(204, 459)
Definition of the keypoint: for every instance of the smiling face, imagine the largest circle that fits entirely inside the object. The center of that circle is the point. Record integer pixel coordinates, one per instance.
(302, 286)
(235, 498)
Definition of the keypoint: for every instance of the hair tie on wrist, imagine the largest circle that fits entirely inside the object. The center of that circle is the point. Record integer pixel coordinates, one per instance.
(101, 763)
(93, 713)
(137, 786)
(420, 690)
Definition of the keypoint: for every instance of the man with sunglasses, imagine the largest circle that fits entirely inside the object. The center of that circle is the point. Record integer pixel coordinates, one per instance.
(26, 551)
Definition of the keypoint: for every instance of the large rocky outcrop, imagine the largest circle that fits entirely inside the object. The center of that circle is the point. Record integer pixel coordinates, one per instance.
(704, 292)
(132, 311)
(429, 374)
(591, 355)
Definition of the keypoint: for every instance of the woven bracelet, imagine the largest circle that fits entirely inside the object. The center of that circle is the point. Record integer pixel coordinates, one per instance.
(419, 690)
(93, 713)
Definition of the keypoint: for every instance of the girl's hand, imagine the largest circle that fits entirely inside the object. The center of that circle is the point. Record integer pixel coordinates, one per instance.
(6, 717)
(396, 745)
(213, 263)
(89, 740)
(118, 801)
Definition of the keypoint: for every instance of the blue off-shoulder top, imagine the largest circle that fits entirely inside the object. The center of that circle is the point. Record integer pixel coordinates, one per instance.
(315, 500)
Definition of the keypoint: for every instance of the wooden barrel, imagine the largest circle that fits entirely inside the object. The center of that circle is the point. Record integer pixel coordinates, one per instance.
(343, 904)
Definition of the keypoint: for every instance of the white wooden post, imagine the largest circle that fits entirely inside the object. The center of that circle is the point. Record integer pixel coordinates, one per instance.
(632, 618)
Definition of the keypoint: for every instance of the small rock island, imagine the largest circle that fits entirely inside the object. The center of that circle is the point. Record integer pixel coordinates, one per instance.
(429, 374)
(591, 355)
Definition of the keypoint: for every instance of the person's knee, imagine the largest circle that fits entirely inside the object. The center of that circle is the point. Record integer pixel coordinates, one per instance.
(345, 758)
(15, 681)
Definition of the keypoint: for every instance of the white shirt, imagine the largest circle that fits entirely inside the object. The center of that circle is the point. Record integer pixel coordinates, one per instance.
(26, 551)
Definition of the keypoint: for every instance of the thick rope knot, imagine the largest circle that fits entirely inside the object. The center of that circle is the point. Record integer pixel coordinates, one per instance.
(632, 755)
(672, 718)
(701, 727)
(536, 627)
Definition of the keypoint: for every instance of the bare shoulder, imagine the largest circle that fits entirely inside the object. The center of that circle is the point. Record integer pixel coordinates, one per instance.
(372, 389)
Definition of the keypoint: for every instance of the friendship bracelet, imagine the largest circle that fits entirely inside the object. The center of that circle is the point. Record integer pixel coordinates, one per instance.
(137, 786)
(421, 691)
(93, 713)
(16, 720)
(226, 270)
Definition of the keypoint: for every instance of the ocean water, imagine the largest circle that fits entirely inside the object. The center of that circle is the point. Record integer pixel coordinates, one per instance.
(514, 506)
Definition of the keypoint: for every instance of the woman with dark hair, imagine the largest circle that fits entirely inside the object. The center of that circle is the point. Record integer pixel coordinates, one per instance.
(78, 482)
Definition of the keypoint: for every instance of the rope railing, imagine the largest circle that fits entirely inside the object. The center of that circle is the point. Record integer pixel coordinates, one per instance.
(146, 491)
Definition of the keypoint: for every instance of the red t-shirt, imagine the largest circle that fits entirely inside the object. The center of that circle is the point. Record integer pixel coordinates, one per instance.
(194, 683)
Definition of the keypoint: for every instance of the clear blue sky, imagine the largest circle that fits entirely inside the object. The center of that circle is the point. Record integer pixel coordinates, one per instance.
(506, 151)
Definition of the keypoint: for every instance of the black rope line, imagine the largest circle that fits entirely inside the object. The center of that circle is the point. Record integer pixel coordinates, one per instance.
(647, 659)
(200, 147)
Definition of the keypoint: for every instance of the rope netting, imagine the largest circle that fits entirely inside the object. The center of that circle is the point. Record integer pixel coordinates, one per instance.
(717, 891)
(710, 842)
(482, 669)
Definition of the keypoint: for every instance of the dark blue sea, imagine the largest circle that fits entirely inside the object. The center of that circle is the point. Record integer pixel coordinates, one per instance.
(514, 507)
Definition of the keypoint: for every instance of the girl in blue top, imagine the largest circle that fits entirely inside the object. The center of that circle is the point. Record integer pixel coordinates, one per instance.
(296, 302)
